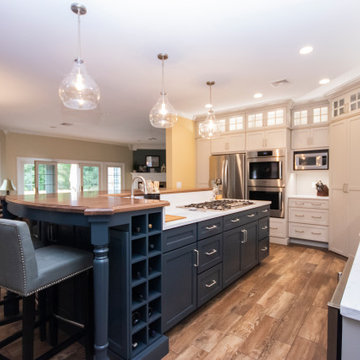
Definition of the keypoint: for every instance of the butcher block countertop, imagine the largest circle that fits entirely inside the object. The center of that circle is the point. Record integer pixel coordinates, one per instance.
(162, 191)
(87, 203)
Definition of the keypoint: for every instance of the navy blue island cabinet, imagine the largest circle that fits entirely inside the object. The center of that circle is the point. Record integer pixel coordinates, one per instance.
(126, 238)
(203, 258)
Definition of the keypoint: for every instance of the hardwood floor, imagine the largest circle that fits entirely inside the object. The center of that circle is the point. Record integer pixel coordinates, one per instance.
(277, 311)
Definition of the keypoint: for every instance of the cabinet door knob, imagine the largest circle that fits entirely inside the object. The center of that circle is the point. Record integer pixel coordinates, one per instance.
(211, 284)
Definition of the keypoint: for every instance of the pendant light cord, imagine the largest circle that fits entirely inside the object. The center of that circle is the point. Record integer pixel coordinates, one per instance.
(79, 37)
(162, 76)
(211, 97)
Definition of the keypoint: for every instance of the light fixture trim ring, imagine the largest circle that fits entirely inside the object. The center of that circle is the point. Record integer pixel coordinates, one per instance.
(162, 56)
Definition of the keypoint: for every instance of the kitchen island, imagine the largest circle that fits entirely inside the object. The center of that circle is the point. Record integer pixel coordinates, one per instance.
(137, 257)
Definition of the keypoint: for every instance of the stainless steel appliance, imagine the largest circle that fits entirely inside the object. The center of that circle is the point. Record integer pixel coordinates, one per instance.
(266, 168)
(274, 194)
(266, 178)
(311, 160)
(224, 204)
(229, 171)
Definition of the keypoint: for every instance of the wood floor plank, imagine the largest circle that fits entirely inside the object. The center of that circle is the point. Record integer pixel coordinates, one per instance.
(227, 348)
(305, 350)
(275, 350)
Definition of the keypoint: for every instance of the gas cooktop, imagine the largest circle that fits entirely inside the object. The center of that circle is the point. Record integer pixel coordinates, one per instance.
(224, 204)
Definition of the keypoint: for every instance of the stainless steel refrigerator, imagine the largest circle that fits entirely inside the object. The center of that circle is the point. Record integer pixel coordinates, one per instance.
(229, 171)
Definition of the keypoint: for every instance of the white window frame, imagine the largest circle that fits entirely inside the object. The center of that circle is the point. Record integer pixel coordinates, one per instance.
(81, 174)
(114, 164)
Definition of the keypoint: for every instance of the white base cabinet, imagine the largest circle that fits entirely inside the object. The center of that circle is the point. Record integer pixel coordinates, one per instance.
(309, 219)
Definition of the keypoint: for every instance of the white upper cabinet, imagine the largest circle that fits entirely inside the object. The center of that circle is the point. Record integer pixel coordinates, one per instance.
(228, 144)
(202, 162)
(305, 138)
(266, 139)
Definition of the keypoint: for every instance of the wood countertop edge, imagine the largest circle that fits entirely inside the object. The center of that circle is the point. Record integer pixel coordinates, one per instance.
(88, 211)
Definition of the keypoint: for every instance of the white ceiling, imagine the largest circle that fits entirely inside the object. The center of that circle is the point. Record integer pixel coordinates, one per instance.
(242, 45)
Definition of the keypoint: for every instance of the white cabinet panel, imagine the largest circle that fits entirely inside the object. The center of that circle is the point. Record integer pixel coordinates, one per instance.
(307, 216)
(309, 138)
(354, 222)
(308, 232)
(278, 228)
(275, 138)
(202, 162)
(309, 203)
(338, 154)
(354, 151)
(228, 144)
(255, 140)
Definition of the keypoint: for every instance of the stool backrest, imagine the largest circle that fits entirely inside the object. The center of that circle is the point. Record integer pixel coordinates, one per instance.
(17, 256)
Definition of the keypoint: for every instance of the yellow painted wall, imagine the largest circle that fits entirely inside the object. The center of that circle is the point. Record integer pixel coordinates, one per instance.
(181, 154)
(36, 146)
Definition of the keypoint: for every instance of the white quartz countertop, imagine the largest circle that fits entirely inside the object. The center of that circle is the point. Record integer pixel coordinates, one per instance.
(350, 302)
(312, 197)
(194, 216)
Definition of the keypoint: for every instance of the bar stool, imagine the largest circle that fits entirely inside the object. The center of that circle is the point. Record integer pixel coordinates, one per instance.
(26, 271)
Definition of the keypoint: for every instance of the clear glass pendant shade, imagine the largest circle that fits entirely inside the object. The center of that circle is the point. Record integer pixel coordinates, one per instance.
(210, 126)
(78, 90)
(163, 114)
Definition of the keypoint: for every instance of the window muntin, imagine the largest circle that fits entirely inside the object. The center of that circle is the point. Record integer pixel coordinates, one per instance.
(355, 101)
(338, 107)
(222, 125)
(275, 117)
(90, 177)
(300, 117)
(320, 115)
(236, 123)
(114, 179)
(29, 179)
(255, 120)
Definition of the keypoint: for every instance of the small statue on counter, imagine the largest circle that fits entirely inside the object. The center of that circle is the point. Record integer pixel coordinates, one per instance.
(322, 189)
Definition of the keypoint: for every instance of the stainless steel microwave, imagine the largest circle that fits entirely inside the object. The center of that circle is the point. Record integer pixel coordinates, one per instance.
(311, 160)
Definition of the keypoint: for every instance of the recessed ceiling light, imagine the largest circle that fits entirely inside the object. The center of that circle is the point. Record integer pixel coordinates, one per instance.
(258, 95)
(208, 106)
(324, 81)
(306, 50)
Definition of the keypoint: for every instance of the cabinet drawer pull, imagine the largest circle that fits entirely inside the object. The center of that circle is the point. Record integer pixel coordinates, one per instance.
(316, 217)
(299, 203)
(197, 258)
(316, 233)
(264, 248)
(316, 204)
(299, 215)
(299, 231)
(212, 252)
(264, 228)
(211, 284)
(235, 220)
(251, 215)
(211, 227)
(274, 228)
(265, 211)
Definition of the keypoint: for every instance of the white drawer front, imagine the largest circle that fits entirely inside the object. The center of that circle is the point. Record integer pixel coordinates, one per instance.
(277, 228)
(309, 203)
(308, 232)
(307, 216)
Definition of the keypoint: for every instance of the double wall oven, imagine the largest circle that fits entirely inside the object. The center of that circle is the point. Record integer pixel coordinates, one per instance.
(266, 179)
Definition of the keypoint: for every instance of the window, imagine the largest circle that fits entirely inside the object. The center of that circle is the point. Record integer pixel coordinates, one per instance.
(113, 179)
(236, 123)
(222, 124)
(320, 115)
(355, 101)
(339, 107)
(275, 117)
(255, 120)
(65, 176)
(300, 117)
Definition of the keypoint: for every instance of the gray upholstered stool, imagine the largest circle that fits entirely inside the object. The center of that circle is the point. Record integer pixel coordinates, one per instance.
(25, 271)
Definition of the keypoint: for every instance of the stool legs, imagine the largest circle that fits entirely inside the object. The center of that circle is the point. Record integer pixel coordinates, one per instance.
(28, 327)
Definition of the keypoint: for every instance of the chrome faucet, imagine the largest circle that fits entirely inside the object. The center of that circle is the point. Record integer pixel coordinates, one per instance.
(138, 177)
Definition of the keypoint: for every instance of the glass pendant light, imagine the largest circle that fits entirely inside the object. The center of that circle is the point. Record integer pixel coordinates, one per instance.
(210, 126)
(78, 90)
(163, 114)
